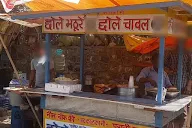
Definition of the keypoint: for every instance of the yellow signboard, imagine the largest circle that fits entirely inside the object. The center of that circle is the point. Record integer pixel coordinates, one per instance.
(53, 119)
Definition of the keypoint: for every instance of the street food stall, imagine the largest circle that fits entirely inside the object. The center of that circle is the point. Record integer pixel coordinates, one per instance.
(77, 109)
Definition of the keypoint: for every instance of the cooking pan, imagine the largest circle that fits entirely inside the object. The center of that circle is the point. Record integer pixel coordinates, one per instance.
(169, 95)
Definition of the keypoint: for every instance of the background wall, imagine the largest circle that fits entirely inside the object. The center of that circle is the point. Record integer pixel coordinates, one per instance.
(105, 61)
(104, 64)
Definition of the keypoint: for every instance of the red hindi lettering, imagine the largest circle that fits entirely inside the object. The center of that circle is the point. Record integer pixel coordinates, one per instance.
(145, 24)
(103, 24)
(137, 24)
(82, 120)
(121, 126)
(96, 122)
(108, 23)
(128, 23)
(59, 23)
(116, 125)
(126, 126)
(49, 23)
(88, 121)
(75, 24)
(91, 121)
(48, 114)
(71, 118)
(54, 23)
(103, 123)
(116, 23)
(51, 114)
(62, 116)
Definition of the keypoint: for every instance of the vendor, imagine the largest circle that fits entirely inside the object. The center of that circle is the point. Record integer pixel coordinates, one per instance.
(37, 75)
(148, 77)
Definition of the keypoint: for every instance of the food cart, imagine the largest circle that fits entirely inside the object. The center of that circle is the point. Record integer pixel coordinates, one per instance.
(88, 110)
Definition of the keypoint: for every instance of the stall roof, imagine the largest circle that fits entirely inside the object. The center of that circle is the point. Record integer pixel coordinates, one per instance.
(27, 23)
(42, 5)
(42, 8)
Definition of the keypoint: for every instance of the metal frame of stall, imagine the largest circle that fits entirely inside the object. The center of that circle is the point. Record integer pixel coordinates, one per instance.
(112, 9)
(160, 71)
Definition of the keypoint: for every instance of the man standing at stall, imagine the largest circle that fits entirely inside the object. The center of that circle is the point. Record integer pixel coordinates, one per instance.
(148, 77)
(37, 75)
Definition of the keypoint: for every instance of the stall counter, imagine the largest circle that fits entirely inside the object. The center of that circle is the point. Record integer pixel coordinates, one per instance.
(123, 111)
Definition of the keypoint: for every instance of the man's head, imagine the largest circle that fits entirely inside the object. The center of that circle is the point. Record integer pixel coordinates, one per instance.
(155, 59)
(39, 51)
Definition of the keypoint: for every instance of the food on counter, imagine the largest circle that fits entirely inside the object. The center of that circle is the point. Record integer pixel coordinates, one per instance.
(172, 89)
(63, 79)
(66, 81)
(101, 88)
(152, 89)
(122, 85)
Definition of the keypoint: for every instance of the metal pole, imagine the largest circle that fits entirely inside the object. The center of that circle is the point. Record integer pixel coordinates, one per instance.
(161, 70)
(47, 63)
(180, 66)
(82, 59)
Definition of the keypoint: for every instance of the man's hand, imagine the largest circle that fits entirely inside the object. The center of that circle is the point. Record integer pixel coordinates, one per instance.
(146, 80)
(170, 72)
(32, 79)
(153, 83)
(30, 86)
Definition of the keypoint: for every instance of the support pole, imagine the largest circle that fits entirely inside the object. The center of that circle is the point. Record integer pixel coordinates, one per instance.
(47, 63)
(82, 59)
(17, 75)
(161, 70)
(180, 66)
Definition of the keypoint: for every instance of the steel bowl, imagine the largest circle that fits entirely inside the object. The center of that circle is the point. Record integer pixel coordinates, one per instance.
(129, 92)
(169, 95)
(73, 82)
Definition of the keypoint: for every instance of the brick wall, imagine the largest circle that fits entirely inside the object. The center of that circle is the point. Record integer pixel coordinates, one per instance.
(105, 64)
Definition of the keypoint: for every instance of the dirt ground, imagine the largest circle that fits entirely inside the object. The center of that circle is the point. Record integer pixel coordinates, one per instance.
(5, 126)
(5, 118)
